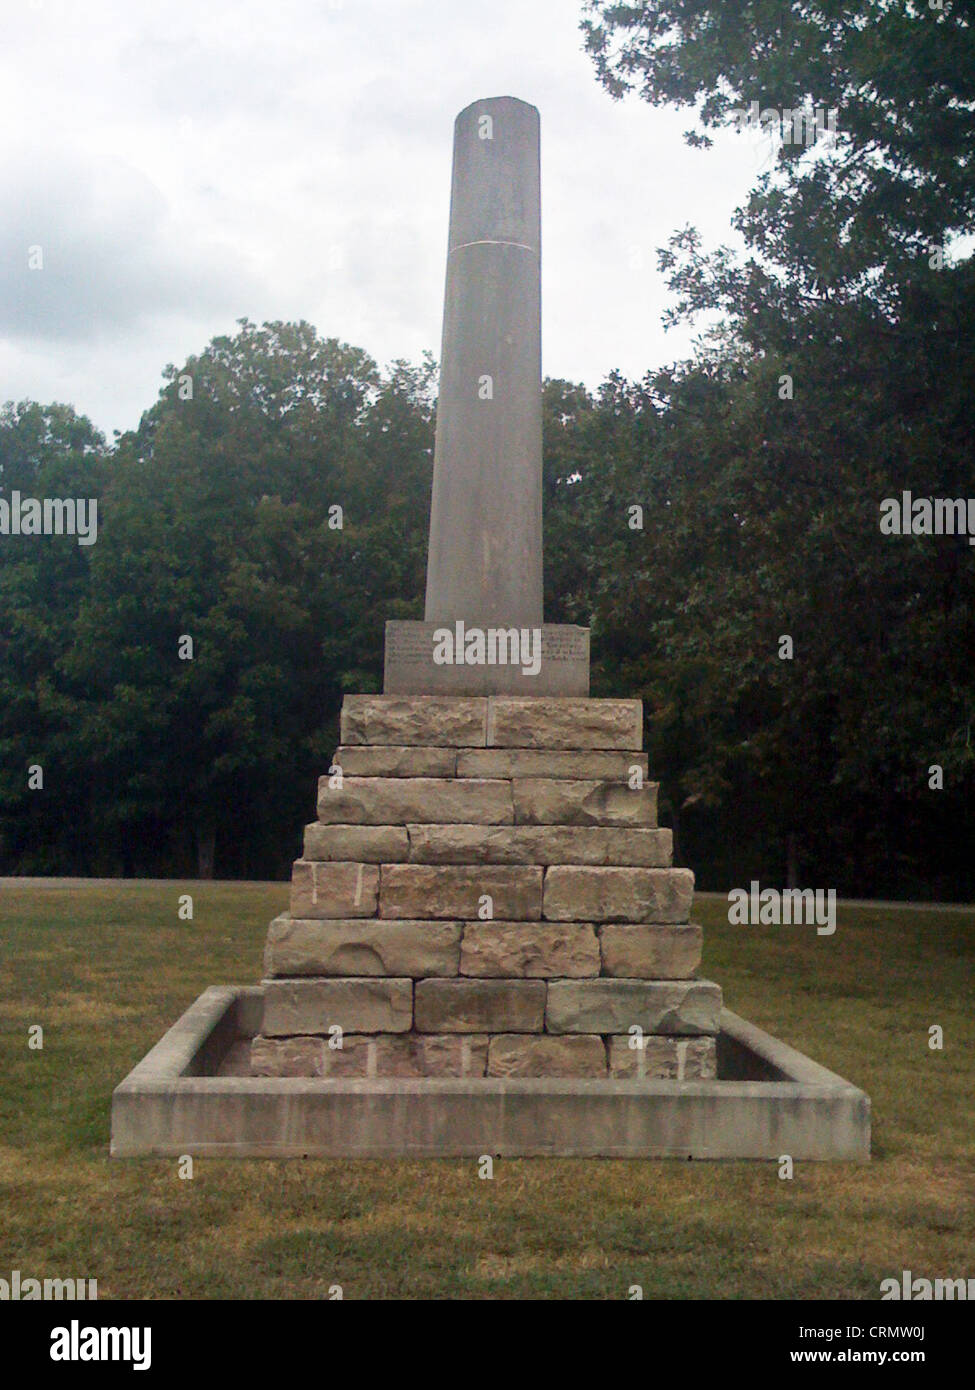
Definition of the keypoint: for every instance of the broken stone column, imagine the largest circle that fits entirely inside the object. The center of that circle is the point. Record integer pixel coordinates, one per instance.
(484, 565)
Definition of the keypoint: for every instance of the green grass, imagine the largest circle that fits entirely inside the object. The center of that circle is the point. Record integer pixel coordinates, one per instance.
(105, 969)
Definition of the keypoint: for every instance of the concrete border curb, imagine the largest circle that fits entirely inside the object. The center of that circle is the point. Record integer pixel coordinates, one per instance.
(768, 1100)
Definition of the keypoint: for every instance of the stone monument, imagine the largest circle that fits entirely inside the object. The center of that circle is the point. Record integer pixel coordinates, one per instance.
(488, 949)
(486, 891)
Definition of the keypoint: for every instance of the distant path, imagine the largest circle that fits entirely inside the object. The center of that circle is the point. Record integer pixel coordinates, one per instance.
(281, 883)
(144, 882)
(879, 902)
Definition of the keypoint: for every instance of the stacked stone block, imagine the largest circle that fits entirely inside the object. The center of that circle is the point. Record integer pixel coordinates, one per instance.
(486, 892)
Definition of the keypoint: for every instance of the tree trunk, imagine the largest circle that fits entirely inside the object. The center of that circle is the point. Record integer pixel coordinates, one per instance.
(205, 847)
(792, 861)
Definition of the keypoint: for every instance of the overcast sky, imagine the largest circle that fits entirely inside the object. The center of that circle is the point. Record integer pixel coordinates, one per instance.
(185, 166)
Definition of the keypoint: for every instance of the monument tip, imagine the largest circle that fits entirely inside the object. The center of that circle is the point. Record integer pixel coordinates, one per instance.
(495, 102)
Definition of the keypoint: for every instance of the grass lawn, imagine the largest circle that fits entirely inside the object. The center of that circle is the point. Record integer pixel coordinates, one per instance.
(106, 968)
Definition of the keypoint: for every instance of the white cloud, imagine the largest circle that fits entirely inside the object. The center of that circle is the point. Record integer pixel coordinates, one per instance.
(184, 168)
(90, 247)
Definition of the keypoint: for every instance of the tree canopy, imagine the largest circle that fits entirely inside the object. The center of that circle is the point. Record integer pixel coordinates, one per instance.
(808, 680)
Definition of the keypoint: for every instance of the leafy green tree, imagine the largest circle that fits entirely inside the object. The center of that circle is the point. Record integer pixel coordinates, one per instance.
(849, 219)
(238, 591)
(844, 293)
(45, 452)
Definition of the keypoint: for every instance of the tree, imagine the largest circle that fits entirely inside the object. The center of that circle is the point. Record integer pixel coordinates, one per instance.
(236, 591)
(45, 452)
(851, 219)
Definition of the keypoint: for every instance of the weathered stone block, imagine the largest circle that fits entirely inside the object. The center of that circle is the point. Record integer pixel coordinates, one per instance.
(522, 1054)
(594, 764)
(397, 761)
(355, 1005)
(397, 1054)
(657, 952)
(554, 723)
(587, 894)
(455, 891)
(428, 720)
(538, 844)
(479, 1006)
(664, 1059)
(451, 1054)
(362, 948)
(560, 801)
(306, 1056)
(529, 950)
(365, 844)
(615, 1006)
(398, 800)
(335, 889)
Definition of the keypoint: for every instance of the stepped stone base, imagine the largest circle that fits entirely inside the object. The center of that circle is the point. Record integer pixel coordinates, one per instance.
(486, 893)
(488, 951)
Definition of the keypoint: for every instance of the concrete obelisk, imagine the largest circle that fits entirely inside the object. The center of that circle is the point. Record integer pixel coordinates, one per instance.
(484, 567)
(485, 557)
